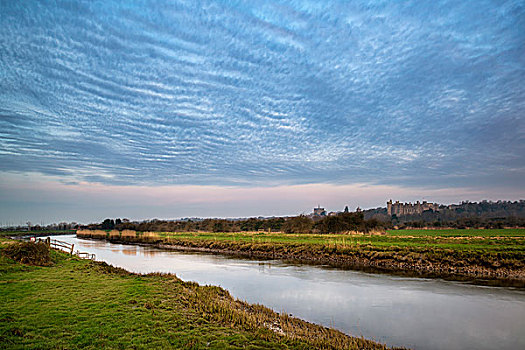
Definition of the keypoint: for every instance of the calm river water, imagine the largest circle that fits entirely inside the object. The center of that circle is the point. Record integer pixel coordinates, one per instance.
(411, 312)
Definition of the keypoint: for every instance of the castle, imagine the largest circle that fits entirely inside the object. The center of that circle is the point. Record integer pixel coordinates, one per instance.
(319, 211)
(409, 208)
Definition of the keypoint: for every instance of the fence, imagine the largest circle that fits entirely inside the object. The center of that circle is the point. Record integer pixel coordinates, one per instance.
(67, 247)
(84, 255)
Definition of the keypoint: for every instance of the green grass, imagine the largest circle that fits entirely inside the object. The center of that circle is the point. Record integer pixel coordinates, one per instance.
(82, 304)
(518, 232)
(496, 241)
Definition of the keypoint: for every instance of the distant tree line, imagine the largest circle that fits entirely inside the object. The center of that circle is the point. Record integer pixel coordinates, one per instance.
(485, 214)
(339, 223)
(63, 226)
(342, 222)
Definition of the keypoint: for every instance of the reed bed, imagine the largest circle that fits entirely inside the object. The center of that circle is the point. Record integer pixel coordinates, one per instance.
(128, 235)
(98, 234)
(150, 236)
(83, 233)
(114, 235)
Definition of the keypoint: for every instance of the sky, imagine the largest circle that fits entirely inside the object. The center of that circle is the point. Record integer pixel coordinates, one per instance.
(168, 109)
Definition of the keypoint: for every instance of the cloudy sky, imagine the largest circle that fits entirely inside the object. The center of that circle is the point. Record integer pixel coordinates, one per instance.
(169, 109)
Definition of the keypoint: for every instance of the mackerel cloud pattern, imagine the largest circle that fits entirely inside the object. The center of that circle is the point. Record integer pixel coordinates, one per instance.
(264, 92)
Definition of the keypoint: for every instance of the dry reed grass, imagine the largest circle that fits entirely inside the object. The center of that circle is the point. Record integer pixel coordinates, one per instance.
(128, 234)
(114, 234)
(376, 233)
(150, 236)
(98, 233)
(92, 233)
(28, 253)
(84, 233)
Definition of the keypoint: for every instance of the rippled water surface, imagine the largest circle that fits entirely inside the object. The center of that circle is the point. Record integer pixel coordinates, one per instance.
(411, 312)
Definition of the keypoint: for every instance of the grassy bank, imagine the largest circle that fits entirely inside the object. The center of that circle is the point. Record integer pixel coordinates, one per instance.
(72, 303)
(498, 255)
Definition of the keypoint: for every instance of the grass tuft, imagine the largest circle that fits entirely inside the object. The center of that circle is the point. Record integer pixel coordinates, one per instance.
(29, 253)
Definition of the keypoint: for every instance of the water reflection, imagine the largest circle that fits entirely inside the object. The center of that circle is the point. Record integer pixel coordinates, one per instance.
(131, 252)
(418, 313)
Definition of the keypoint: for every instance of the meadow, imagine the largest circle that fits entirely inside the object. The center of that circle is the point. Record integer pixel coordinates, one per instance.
(489, 241)
(508, 232)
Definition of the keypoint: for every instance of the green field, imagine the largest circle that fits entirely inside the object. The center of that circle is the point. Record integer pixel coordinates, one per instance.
(498, 241)
(76, 304)
(513, 232)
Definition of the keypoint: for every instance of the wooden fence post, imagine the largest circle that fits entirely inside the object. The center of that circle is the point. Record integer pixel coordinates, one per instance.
(48, 241)
(72, 246)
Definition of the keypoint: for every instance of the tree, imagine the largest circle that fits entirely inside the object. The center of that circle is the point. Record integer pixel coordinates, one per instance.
(298, 224)
(108, 224)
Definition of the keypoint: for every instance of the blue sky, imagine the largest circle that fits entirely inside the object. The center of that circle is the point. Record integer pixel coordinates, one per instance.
(411, 96)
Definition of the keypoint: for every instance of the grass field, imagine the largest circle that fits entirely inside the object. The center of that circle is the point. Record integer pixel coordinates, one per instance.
(82, 304)
(497, 241)
(512, 232)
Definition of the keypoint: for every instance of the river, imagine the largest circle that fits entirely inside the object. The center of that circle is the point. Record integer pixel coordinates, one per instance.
(399, 311)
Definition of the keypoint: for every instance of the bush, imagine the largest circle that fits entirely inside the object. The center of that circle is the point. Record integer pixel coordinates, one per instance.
(29, 253)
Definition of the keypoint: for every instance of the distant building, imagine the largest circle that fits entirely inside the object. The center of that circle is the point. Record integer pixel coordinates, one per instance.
(399, 209)
(319, 211)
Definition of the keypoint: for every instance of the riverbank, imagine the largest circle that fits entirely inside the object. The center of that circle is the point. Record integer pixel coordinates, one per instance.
(495, 257)
(72, 303)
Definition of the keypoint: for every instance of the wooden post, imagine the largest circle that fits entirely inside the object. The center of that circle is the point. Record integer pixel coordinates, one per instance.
(48, 241)
(72, 246)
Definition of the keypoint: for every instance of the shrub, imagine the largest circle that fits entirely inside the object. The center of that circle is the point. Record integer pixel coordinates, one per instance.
(29, 253)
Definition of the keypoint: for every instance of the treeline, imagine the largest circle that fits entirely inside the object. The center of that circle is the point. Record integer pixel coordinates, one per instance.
(482, 211)
(487, 209)
(342, 222)
(51, 228)
(484, 214)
